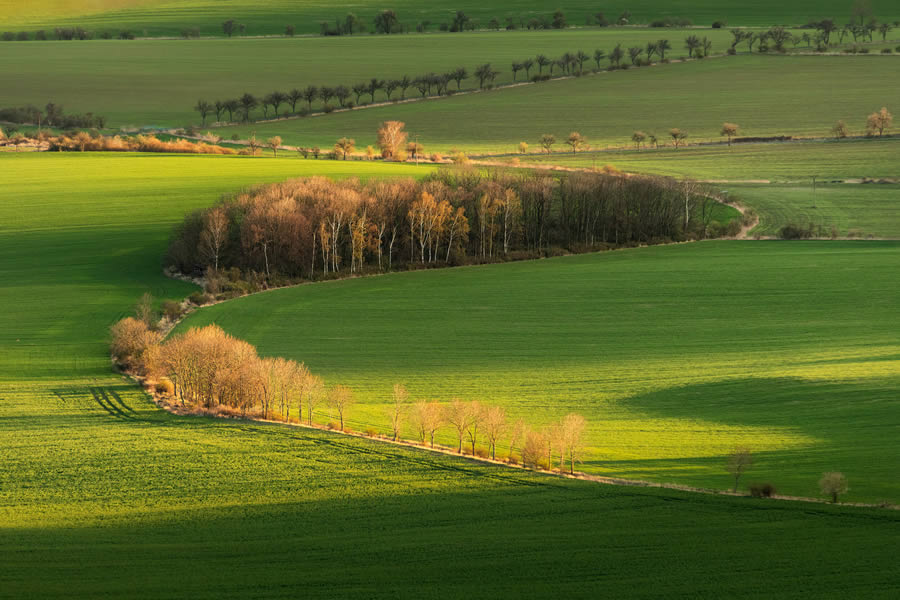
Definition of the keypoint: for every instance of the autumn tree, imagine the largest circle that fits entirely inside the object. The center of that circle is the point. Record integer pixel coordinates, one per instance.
(144, 310)
(315, 393)
(833, 484)
(274, 143)
(391, 138)
(523, 147)
(340, 398)
(678, 136)
(840, 129)
(459, 414)
(572, 434)
(495, 425)
(737, 464)
(879, 121)
(517, 432)
(576, 141)
(729, 130)
(533, 450)
(547, 141)
(475, 422)
(214, 235)
(130, 339)
(397, 409)
(345, 146)
(638, 138)
(428, 418)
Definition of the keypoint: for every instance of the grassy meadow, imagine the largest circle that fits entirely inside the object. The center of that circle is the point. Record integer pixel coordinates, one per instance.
(170, 17)
(766, 95)
(103, 494)
(157, 83)
(674, 354)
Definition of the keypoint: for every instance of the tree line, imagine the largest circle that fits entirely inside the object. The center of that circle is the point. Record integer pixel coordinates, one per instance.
(52, 115)
(313, 228)
(84, 141)
(207, 370)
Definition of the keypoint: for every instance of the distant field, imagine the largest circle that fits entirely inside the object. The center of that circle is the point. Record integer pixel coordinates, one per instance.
(103, 494)
(169, 17)
(795, 161)
(766, 95)
(674, 354)
(158, 82)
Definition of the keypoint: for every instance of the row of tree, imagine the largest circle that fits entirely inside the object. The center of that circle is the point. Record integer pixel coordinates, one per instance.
(316, 227)
(83, 141)
(210, 370)
(52, 115)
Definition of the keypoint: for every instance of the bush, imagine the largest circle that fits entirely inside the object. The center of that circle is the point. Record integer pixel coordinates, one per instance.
(328, 109)
(863, 50)
(172, 310)
(7, 36)
(481, 452)
(512, 459)
(718, 24)
(897, 48)
(164, 387)
(200, 298)
(731, 51)
(795, 232)
(887, 51)
(333, 425)
(762, 490)
(371, 432)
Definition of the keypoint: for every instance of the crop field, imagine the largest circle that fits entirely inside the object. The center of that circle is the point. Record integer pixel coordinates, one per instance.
(170, 17)
(765, 95)
(103, 494)
(155, 82)
(674, 354)
(773, 162)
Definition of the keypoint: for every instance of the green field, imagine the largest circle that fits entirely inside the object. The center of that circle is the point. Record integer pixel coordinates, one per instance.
(773, 162)
(103, 494)
(674, 354)
(170, 17)
(766, 95)
(155, 82)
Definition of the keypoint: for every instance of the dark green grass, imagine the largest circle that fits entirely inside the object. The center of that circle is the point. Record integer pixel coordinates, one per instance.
(765, 95)
(170, 17)
(674, 354)
(102, 494)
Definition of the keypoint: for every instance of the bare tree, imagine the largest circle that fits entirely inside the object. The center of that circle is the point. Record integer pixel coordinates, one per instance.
(204, 108)
(576, 141)
(638, 138)
(494, 427)
(341, 399)
(315, 392)
(274, 143)
(738, 462)
(678, 136)
(460, 415)
(397, 410)
(310, 93)
(833, 484)
(573, 427)
(515, 436)
(391, 138)
(840, 129)
(475, 422)
(547, 141)
(428, 418)
(214, 235)
(144, 311)
(345, 146)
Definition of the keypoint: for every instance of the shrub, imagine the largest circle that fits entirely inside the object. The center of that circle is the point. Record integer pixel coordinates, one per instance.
(333, 425)
(718, 24)
(863, 50)
(172, 310)
(481, 452)
(371, 432)
(762, 490)
(7, 36)
(235, 137)
(328, 109)
(165, 387)
(887, 51)
(512, 459)
(40, 34)
(794, 232)
(731, 51)
(200, 298)
(897, 48)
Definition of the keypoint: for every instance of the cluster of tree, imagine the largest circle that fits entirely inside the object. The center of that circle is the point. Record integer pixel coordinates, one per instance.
(66, 33)
(51, 116)
(208, 369)
(832, 484)
(315, 227)
(84, 141)
(878, 123)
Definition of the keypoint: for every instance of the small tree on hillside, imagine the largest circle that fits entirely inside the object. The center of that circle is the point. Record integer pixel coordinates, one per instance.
(678, 136)
(879, 121)
(345, 146)
(729, 130)
(460, 415)
(391, 138)
(145, 312)
(833, 484)
(274, 143)
(341, 399)
(662, 46)
(494, 427)
(737, 464)
(204, 108)
(547, 141)
(397, 409)
(576, 141)
(638, 137)
(310, 93)
(840, 130)
(229, 27)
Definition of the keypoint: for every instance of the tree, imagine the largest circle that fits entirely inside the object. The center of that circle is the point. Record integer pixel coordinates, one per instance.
(527, 64)
(391, 138)
(547, 141)
(204, 108)
(214, 235)
(542, 61)
(459, 414)
(598, 56)
(428, 418)
(494, 419)
(359, 89)
(289, 30)
(341, 399)
(523, 147)
(572, 436)
(706, 44)
(678, 136)
(516, 67)
(661, 47)
(729, 130)
(274, 143)
(373, 86)
(833, 484)
(144, 310)
(576, 141)
(386, 22)
(228, 27)
(651, 50)
(840, 130)
(879, 121)
(581, 57)
(389, 86)
(351, 24)
(638, 138)
(635, 53)
(397, 410)
(738, 462)
(559, 20)
(475, 422)
(652, 139)
(862, 9)
(779, 35)
(276, 99)
(345, 146)
(326, 93)
(231, 106)
(248, 103)
(692, 43)
(310, 93)
(404, 83)
(485, 73)
(460, 21)
(884, 29)
(254, 148)
(616, 56)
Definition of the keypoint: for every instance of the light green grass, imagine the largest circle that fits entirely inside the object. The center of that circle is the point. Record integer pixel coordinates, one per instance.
(103, 494)
(776, 162)
(766, 95)
(674, 354)
(169, 17)
(157, 82)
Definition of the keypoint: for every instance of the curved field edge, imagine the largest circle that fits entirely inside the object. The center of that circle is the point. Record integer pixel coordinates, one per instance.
(674, 354)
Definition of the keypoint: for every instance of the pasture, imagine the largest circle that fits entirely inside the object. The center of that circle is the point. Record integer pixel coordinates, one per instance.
(101, 493)
(765, 95)
(674, 354)
(170, 17)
